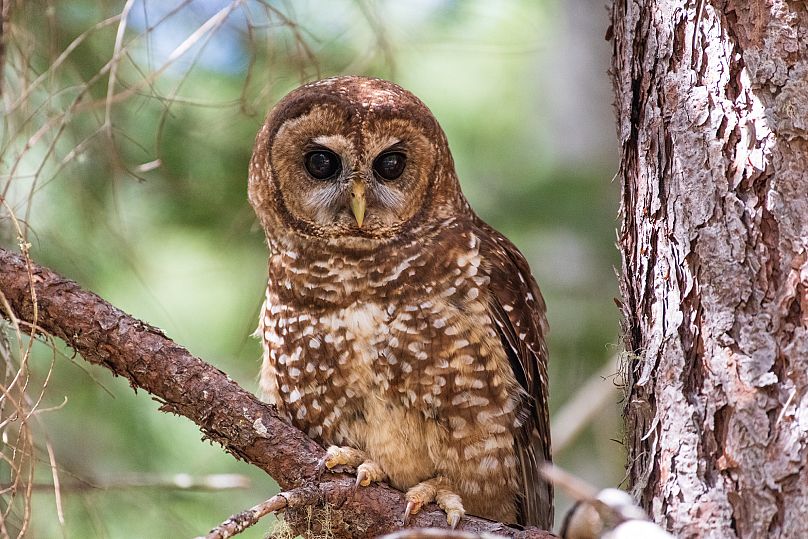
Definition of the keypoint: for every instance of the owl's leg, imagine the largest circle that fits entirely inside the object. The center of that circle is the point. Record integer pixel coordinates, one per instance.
(437, 489)
(367, 470)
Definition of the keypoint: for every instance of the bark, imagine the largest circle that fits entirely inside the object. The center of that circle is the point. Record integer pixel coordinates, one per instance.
(185, 385)
(712, 109)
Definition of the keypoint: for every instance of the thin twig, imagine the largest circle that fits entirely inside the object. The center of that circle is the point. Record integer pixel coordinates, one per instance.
(241, 521)
(588, 403)
(576, 487)
(185, 482)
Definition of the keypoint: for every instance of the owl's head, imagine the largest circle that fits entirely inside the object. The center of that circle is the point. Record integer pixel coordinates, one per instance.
(353, 161)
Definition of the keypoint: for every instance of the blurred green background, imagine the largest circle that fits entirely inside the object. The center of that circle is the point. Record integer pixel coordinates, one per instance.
(145, 204)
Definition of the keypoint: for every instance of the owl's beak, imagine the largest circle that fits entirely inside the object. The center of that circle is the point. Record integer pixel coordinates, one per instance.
(358, 201)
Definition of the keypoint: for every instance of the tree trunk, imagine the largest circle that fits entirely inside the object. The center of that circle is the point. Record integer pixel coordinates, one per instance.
(712, 109)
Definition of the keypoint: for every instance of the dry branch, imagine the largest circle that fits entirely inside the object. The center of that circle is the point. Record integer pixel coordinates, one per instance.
(241, 521)
(185, 385)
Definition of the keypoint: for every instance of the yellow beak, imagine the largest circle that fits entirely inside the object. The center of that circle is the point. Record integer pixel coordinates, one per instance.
(358, 201)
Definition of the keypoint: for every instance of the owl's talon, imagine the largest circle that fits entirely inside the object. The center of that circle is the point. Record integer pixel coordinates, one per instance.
(342, 456)
(453, 518)
(452, 504)
(412, 508)
(440, 490)
(321, 468)
(326, 463)
(367, 471)
(362, 478)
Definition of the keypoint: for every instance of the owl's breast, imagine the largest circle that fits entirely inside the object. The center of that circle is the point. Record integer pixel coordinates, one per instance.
(321, 365)
(409, 368)
(429, 355)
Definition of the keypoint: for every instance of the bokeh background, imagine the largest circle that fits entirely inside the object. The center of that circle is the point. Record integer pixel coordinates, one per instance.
(142, 199)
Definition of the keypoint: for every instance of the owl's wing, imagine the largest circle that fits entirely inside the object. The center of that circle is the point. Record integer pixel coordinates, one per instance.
(518, 310)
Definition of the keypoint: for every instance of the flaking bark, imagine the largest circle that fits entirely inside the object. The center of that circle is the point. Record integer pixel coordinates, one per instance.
(712, 109)
(185, 385)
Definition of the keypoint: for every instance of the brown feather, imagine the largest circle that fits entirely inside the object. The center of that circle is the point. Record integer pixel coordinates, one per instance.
(523, 330)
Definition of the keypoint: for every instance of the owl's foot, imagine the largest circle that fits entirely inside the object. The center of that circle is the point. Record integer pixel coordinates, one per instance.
(437, 489)
(367, 471)
(341, 456)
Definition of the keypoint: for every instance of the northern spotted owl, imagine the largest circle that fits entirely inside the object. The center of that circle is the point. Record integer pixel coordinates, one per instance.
(399, 330)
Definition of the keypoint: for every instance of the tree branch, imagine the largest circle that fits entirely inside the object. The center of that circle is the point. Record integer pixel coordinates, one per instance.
(185, 385)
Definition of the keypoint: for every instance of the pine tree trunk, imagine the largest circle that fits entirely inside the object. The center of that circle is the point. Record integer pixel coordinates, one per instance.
(712, 109)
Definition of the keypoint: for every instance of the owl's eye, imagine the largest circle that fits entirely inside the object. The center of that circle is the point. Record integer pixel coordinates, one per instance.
(322, 164)
(390, 165)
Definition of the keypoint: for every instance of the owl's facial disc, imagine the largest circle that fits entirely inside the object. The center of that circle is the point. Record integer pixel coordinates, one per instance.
(338, 179)
(357, 185)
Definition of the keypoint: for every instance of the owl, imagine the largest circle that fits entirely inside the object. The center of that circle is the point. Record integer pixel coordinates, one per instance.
(399, 330)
